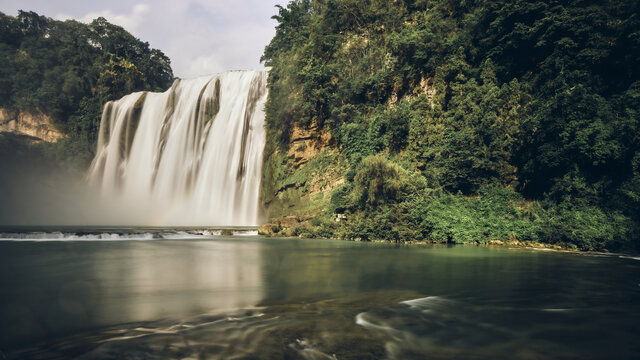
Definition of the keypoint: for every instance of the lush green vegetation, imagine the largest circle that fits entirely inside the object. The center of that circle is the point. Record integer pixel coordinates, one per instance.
(68, 70)
(464, 120)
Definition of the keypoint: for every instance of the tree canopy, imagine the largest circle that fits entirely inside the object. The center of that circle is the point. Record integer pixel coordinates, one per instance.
(68, 69)
(541, 97)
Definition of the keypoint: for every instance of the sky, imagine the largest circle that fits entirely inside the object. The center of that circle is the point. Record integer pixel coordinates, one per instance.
(201, 37)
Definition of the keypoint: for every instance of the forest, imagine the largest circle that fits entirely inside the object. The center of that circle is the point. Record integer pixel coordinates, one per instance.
(456, 121)
(68, 70)
(409, 120)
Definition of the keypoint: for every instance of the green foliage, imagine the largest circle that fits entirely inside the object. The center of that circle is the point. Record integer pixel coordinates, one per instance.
(587, 227)
(68, 70)
(377, 181)
(339, 199)
(501, 213)
(496, 213)
(427, 99)
(284, 189)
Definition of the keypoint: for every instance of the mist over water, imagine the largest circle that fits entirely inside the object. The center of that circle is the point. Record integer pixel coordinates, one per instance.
(189, 156)
(35, 190)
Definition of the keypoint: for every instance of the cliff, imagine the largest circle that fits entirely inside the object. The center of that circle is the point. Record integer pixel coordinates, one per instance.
(298, 180)
(455, 122)
(31, 123)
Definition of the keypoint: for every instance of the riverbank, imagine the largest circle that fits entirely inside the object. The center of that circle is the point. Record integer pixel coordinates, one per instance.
(295, 227)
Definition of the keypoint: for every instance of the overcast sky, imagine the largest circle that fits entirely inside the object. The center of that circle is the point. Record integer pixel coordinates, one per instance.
(200, 37)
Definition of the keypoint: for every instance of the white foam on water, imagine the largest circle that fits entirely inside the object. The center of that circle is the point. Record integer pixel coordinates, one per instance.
(361, 319)
(630, 257)
(60, 236)
(424, 303)
(307, 351)
(245, 232)
(122, 235)
(106, 236)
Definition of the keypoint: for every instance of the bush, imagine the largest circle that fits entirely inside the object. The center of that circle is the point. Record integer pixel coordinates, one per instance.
(377, 181)
(589, 228)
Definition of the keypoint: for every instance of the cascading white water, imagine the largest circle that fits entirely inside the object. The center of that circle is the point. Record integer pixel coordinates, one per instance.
(189, 156)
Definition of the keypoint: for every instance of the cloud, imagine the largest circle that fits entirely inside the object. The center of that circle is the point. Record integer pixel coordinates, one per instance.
(217, 37)
(199, 36)
(130, 21)
(205, 64)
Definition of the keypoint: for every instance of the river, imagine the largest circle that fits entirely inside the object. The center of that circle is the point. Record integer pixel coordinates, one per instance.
(243, 297)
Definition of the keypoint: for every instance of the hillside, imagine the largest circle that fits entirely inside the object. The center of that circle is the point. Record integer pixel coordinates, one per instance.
(454, 121)
(58, 75)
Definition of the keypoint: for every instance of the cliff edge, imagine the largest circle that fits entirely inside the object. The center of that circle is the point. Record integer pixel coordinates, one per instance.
(32, 123)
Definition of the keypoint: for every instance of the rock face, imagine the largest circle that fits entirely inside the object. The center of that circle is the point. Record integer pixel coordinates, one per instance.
(298, 180)
(285, 226)
(35, 124)
(305, 144)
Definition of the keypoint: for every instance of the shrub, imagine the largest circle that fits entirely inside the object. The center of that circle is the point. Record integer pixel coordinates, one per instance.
(377, 181)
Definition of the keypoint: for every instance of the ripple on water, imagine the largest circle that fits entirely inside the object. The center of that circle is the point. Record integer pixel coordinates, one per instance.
(440, 328)
(433, 327)
(629, 257)
(308, 351)
(309, 330)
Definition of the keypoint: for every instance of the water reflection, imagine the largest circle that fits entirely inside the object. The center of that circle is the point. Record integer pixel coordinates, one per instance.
(56, 288)
(281, 298)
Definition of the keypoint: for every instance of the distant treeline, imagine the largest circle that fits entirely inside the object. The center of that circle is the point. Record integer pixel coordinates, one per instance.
(68, 70)
(524, 113)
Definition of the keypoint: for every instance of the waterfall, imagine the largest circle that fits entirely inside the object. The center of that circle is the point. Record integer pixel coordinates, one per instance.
(189, 156)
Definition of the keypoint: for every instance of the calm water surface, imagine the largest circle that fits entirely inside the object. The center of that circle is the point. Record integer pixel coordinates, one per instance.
(265, 298)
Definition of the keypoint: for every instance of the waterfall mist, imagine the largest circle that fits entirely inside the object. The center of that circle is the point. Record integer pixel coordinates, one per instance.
(189, 156)
(37, 189)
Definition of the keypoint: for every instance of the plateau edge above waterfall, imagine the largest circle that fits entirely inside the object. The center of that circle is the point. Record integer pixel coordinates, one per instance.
(189, 156)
